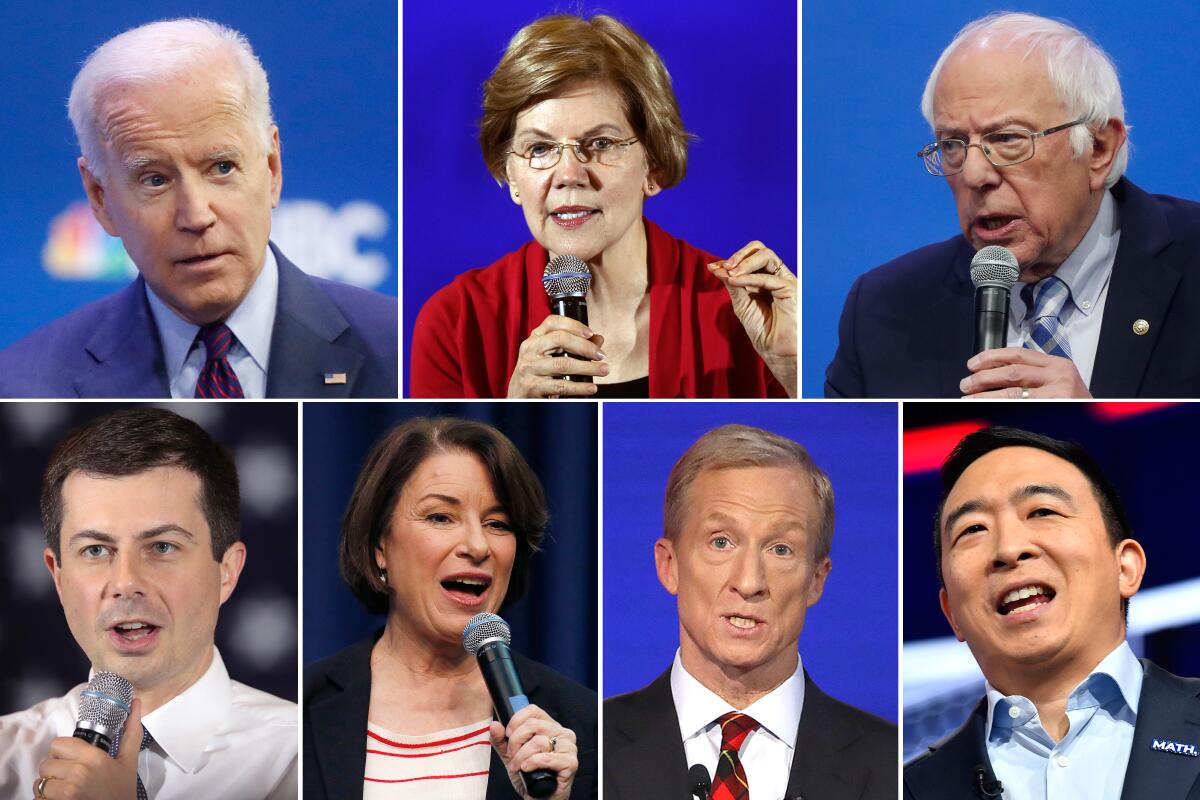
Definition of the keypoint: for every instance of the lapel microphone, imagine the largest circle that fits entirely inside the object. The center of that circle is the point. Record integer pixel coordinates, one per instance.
(987, 788)
(700, 782)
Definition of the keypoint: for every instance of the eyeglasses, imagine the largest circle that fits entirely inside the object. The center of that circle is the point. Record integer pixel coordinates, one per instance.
(604, 150)
(1001, 148)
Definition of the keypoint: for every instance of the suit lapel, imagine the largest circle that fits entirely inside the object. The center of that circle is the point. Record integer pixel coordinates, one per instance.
(824, 763)
(652, 762)
(1144, 278)
(304, 348)
(1168, 711)
(341, 717)
(948, 772)
(127, 356)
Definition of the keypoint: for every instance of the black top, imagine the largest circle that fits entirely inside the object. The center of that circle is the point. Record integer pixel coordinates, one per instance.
(337, 695)
(626, 390)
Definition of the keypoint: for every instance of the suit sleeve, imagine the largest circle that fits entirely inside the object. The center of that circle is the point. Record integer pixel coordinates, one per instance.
(843, 376)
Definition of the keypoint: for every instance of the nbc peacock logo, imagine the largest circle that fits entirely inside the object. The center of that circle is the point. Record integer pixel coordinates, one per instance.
(78, 249)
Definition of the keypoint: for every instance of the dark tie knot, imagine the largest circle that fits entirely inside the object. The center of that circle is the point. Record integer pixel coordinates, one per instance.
(147, 739)
(217, 338)
(735, 727)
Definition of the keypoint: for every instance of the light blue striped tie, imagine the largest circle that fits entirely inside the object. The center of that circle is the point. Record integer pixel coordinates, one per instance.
(1046, 299)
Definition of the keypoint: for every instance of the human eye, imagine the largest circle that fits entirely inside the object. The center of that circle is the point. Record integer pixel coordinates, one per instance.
(538, 149)
(969, 529)
(224, 168)
(163, 548)
(1043, 511)
(438, 518)
(499, 525)
(94, 551)
(600, 143)
(720, 542)
(781, 549)
(153, 180)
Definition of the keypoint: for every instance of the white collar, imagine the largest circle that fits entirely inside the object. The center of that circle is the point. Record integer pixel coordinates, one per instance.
(698, 707)
(184, 725)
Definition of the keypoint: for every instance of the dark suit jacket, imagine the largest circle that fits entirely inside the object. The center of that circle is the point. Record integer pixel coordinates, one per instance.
(907, 328)
(110, 348)
(1169, 709)
(842, 753)
(337, 695)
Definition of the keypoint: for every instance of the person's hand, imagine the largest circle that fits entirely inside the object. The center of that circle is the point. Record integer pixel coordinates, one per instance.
(1021, 373)
(763, 291)
(76, 770)
(538, 374)
(534, 741)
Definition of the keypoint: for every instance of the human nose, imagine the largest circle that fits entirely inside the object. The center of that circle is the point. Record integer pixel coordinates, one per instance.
(193, 209)
(474, 544)
(570, 169)
(979, 172)
(749, 574)
(1012, 545)
(127, 578)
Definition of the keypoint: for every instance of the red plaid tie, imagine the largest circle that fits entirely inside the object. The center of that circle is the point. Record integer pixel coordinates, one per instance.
(217, 378)
(730, 782)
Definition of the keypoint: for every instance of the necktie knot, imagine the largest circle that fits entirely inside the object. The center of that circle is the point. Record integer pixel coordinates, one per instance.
(217, 378)
(735, 727)
(1045, 301)
(217, 339)
(730, 781)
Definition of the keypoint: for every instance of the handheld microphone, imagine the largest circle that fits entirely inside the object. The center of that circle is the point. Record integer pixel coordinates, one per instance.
(994, 270)
(699, 781)
(103, 708)
(566, 280)
(987, 788)
(487, 637)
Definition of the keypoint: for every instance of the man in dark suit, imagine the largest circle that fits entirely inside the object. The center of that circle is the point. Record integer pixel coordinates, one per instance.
(181, 160)
(749, 523)
(1037, 569)
(1109, 281)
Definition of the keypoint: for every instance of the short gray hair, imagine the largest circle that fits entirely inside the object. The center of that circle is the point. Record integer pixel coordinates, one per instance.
(737, 446)
(152, 53)
(1083, 75)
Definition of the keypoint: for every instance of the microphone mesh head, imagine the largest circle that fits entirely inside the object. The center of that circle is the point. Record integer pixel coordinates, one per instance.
(566, 275)
(994, 266)
(105, 701)
(484, 627)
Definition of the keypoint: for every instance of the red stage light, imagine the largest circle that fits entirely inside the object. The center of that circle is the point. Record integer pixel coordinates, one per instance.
(1110, 412)
(926, 448)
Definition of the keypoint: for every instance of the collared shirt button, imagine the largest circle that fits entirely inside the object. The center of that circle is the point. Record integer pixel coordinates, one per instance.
(1086, 304)
(1014, 712)
(1063, 761)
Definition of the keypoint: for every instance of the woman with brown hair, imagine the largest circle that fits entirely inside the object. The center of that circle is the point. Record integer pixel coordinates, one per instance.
(581, 123)
(444, 519)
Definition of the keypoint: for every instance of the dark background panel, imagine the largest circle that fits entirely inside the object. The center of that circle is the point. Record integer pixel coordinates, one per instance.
(849, 640)
(555, 622)
(734, 72)
(256, 631)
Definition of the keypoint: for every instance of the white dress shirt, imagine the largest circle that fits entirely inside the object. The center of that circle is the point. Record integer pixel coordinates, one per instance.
(1086, 272)
(1089, 762)
(766, 755)
(216, 739)
(251, 323)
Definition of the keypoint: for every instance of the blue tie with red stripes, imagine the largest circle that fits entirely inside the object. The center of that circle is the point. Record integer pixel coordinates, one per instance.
(217, 379)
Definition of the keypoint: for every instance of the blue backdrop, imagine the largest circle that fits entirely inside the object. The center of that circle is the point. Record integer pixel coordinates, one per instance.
(1149, 456)
(867, 199)
(734, 72)
(332, 70)
(849, 639)
(555, 622)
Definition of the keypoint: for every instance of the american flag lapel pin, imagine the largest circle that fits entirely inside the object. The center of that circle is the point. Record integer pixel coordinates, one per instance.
(335, 378)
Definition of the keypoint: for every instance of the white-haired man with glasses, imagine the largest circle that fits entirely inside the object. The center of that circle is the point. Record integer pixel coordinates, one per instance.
(1108, 284)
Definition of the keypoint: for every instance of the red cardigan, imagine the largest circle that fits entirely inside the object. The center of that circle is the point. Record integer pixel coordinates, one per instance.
(466, 338)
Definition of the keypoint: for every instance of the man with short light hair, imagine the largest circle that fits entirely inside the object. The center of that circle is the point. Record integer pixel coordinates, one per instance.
(1030, 136)
(140, 510)
(180, 158)
(1038, 563)
(748, 523)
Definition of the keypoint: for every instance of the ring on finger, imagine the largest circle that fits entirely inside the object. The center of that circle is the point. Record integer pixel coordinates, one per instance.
(40, 789)
(1024, 393)
(553, 743)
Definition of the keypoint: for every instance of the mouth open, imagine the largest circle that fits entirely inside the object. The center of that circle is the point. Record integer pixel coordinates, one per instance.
(995, 226)
(743, 623)
(467, 590)
(133, 637)
(1026, 598)
(573, 216)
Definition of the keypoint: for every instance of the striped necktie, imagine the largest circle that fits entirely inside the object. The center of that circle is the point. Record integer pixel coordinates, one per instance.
(730, 781)
(1046, 332)
(217, 379)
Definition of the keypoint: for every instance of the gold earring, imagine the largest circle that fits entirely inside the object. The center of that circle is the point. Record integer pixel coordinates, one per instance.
(383, 575)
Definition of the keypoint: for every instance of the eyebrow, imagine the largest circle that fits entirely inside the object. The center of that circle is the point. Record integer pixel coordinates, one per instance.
(725, 520)
(1017, 495)
(604, 126)
(454, 501)
(1004, 123)
(90, 534)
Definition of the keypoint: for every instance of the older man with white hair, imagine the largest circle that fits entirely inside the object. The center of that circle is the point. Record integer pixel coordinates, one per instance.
(181, 160)
(1030, 135)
